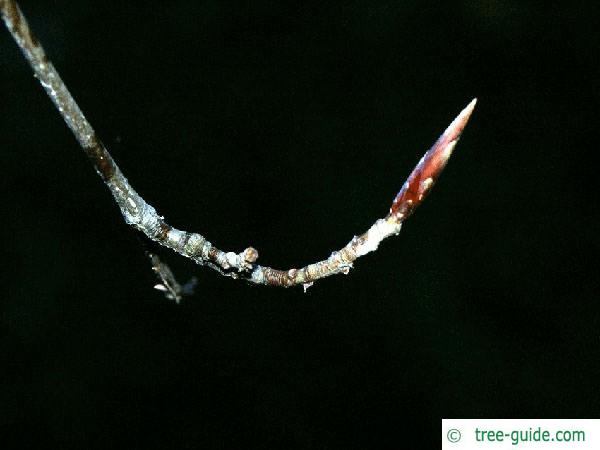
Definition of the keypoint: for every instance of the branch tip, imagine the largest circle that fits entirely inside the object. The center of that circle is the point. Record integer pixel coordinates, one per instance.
(457, 126)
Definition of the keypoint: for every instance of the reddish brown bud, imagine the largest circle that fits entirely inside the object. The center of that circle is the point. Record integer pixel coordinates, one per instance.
(427, 171)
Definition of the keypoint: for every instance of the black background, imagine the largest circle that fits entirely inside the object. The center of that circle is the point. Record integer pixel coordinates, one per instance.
(290, 127)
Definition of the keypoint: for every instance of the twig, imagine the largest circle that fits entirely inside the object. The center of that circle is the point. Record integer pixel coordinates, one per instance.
(241, 265)
(167, 283)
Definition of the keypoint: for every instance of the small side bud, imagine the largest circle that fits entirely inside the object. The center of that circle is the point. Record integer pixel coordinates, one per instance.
(250, 255)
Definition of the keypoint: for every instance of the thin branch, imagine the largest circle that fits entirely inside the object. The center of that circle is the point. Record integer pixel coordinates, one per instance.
(144, 217)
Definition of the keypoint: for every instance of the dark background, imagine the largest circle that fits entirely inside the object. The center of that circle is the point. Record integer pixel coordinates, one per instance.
(290, 127)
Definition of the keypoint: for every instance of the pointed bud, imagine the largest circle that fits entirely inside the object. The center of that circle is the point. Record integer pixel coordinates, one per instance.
(426, 173)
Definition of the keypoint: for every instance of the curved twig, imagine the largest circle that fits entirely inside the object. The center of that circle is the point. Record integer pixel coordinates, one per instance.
(242, 265)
